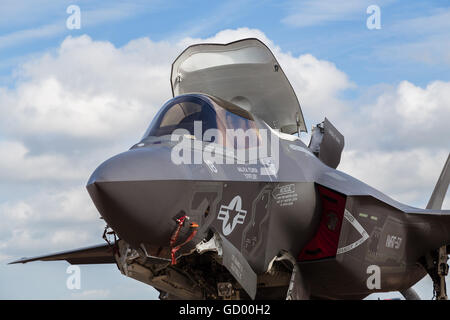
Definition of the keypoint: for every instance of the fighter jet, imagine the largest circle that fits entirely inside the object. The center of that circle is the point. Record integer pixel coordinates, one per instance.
(221, 199)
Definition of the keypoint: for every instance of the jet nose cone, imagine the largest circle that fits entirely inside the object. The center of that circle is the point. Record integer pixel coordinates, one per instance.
(122, 167)
(137, 206)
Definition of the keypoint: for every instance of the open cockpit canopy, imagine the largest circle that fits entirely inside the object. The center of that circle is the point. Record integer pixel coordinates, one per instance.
(245, 73)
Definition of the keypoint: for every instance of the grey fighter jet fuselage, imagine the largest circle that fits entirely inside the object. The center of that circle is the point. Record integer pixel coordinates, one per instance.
(199, 215)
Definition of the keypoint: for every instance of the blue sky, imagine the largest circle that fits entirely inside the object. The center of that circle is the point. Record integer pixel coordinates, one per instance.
(393, 80)
(340, 36)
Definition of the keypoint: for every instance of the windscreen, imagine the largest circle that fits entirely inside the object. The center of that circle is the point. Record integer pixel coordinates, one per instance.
(223, 123)
(181, 114)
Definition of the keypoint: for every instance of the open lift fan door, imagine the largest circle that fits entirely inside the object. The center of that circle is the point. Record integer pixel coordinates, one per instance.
(245, 73)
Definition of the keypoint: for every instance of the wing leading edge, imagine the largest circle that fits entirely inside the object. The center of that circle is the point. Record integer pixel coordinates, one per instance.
(99, 254)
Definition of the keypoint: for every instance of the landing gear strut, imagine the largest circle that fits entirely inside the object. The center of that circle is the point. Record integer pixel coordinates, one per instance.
(437, 268)
(442, 272)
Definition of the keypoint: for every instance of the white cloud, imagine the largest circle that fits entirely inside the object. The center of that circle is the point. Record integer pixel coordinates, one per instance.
(408, 176)
(49, 221)
(399, 141)
(318, 94)
(403, 116)
(17, 164)
(89, 89)
(68, 205)
(39, 240)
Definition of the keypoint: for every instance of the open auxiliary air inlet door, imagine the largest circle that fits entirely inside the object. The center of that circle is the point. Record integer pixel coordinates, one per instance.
(327, 143)
(245, 73)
